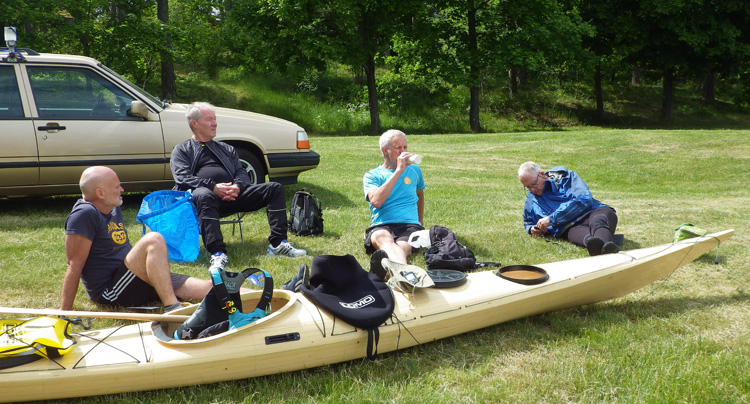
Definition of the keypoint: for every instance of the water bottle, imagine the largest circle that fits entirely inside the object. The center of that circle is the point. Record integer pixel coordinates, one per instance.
(257, 279)
(415, 159)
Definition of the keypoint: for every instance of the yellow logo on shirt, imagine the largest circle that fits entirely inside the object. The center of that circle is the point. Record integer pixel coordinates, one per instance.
(407, 180)
(120, 237)
(118, 233)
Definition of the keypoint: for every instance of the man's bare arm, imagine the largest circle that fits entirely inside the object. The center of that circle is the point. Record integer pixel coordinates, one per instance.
(77, 251)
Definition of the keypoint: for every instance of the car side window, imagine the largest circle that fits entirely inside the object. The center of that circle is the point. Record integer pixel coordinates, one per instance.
(10, 98)
(76, 93)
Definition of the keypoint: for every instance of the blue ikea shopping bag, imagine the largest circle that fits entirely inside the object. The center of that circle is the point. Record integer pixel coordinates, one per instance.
(172, 214)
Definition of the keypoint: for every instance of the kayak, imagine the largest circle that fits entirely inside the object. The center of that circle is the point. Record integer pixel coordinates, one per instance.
(300, 335)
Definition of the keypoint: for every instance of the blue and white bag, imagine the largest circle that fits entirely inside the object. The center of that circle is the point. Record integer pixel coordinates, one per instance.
(172, 214)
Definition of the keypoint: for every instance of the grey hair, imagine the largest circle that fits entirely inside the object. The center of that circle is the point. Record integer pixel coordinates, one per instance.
(529, 167)
(193, 112)
(385, 138)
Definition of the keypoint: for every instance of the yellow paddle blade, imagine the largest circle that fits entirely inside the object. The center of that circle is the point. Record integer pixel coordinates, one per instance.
(46, 336)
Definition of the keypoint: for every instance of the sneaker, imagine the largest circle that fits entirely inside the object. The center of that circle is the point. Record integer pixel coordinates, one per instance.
(219, 260)
(302, 277)
(172, 307)
(594, 245)
(376, 264)
(285, 248)
(610, 248)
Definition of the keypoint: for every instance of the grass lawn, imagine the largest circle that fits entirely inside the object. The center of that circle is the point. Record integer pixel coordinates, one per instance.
(683, 339)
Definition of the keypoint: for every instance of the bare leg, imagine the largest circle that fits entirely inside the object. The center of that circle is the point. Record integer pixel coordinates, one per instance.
(149, 261)
(406, 248)
(383, 240)
(195, 289)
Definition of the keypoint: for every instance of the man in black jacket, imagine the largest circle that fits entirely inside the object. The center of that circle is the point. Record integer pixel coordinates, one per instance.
(221, 186)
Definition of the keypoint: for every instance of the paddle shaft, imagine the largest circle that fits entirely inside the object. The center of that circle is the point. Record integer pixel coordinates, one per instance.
(96, 314)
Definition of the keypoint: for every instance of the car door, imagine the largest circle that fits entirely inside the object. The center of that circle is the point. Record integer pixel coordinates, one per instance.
(18, 154)
(82, 119)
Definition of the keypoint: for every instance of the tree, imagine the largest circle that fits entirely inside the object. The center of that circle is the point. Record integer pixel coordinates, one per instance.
(681, 38)
(463, 41)
(197, 35)
(313, 33)
(123, 34)
(168, 85)
(606, 19)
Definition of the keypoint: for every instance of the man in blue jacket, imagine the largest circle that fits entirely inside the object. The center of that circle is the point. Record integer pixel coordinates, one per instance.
(559, 203)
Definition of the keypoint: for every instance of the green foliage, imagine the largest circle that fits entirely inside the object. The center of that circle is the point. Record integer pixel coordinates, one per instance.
(124, 35)
(334, 103)
(406, 57)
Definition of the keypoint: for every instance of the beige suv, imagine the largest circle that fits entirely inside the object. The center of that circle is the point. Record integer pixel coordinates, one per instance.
(60, 114)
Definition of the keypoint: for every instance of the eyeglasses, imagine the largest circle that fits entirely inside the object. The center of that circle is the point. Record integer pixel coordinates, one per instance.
(535, 185)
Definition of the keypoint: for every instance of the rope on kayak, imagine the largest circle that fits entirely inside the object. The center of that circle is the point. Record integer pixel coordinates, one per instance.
(320, 314)
(103, 341)
(143, 343)
(658, 284)
(400, 324)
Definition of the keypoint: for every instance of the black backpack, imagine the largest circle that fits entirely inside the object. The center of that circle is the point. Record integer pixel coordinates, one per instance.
(306, 214)
(445, 252)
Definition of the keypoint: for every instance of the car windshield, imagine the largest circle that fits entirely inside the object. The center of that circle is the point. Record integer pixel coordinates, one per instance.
(143, 92)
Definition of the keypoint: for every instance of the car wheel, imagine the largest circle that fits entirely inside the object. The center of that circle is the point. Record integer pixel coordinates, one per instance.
(252, 164)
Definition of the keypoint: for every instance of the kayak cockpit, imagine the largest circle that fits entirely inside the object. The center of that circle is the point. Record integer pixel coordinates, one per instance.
(281, 301)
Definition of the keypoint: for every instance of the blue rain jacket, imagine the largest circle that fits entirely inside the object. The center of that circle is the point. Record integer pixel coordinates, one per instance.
(565, 199)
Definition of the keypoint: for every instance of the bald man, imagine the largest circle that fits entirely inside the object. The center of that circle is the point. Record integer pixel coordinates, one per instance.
(99, 253)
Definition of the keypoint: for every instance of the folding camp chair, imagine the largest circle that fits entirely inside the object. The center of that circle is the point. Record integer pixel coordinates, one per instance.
(235, 222)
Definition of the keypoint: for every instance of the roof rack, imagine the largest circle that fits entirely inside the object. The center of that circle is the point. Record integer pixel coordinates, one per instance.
(19, 50)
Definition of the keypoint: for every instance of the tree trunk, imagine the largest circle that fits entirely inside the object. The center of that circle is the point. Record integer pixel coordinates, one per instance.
(474, 109)
(168, 80)
(369, 65)
(667, 97)
(512, 82)
(516, 79)
(116, 12)
(598, 93)
(85, 46)
(372, 95)
(709, 87)
(635, 76)
(474, 123)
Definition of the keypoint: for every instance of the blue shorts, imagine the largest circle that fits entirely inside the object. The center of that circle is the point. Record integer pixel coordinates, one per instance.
(399, 231)
(126, 289)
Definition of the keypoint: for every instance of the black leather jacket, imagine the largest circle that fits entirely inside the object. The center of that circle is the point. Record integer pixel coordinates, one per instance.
(184, 160)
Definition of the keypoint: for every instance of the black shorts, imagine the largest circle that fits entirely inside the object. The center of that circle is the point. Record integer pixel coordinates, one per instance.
(399, 231)
(126, 289)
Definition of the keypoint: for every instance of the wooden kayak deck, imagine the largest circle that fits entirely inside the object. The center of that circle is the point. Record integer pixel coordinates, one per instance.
(299, 335)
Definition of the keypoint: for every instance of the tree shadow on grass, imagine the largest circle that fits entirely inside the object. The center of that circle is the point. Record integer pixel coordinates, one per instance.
(480, 250)
(329, 198)
(50, 212)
